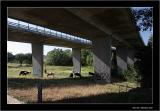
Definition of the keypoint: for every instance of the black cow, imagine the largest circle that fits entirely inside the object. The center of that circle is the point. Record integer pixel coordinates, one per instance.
(24, 73)
(71, 75)
(91, 73)
(78, 74)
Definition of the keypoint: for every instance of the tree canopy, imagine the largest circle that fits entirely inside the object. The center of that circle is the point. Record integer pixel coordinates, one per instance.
(143, 18)
(144, 64)
(59, 57)
(10, 56)
(20, 58)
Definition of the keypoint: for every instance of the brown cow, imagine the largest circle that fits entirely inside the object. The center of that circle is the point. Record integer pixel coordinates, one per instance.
(49, 73)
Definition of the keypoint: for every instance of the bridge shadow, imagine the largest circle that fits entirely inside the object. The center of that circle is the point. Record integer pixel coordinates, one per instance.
(136, 95)
(62, 82)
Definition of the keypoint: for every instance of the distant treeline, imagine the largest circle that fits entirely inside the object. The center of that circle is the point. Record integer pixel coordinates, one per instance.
(20, 58)
(57, 57)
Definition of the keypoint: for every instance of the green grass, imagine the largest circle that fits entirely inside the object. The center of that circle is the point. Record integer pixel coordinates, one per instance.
(61, 88)
(60, 71)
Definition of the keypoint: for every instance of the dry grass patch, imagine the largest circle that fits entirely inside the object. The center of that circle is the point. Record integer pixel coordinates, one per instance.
(54, 93)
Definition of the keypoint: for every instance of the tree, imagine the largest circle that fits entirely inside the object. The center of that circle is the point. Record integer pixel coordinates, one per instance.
(150, 41)
(143, 18)
(59, 57)
(68, 59)
(86, 57)
(20, 58)
(10, 57)
(89, 59)
(28, 58)
(144, 64)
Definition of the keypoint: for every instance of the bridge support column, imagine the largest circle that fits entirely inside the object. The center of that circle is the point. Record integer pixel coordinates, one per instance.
(130, 58)
(102, 59)
(121, 59)
(37, 61)
(76, 58)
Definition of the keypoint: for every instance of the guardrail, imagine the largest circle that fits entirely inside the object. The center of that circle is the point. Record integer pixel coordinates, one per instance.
(47, 32)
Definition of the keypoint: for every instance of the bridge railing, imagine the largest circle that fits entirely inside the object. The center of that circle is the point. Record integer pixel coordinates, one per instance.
(46, 32)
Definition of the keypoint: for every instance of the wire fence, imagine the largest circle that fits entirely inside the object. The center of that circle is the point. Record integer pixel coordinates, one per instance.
(34, 92)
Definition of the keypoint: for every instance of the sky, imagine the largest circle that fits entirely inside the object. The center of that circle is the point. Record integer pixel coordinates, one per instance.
(17, 47)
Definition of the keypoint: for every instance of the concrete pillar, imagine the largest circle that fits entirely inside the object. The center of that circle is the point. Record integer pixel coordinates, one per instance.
(130, 58)
(102, 59)
(76, 58)
(37, 61)
(121, 59)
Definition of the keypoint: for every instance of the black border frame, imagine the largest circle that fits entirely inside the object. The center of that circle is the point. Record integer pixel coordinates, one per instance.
(122, 106)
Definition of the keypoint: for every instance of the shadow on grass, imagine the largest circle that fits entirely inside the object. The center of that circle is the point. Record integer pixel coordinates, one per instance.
(63, 82)
(136, 95)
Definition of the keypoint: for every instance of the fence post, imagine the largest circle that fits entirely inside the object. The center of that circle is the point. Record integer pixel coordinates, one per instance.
(39, 88)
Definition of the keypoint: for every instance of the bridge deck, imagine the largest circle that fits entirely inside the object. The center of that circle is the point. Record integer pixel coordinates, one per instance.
(89, 23)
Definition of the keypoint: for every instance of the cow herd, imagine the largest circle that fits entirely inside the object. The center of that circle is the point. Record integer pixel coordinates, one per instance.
(72, 75)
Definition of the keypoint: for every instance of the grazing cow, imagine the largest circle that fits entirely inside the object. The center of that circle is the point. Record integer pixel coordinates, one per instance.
(49, 73)
(78, 74)
(24, 73)
(91, 73)
(71, 75)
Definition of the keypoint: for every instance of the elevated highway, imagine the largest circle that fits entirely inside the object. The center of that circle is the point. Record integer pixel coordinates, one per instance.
(104, 27)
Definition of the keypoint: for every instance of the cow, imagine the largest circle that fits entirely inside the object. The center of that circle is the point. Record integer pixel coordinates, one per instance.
(91, 73)
(24, 73)
(71, 75)
(49, 73)
(78, 74)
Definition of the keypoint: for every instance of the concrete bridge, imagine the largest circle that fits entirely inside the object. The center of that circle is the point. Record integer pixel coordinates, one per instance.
(100, 28)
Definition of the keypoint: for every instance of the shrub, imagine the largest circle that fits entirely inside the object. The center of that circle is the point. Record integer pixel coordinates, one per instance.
(131, 74)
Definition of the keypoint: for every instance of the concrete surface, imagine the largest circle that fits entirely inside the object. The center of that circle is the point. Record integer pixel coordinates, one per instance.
(102, 59)
(76, 58)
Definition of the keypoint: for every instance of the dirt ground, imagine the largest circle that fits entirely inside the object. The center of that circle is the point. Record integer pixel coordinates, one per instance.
(11, 100)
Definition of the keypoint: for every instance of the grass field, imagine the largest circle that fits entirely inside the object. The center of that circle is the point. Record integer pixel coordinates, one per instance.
(60, 71)
(61, 88)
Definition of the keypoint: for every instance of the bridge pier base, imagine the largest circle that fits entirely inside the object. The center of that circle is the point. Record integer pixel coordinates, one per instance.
(37, 61)
(102, 59)
(76, 58)
(121, 59)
